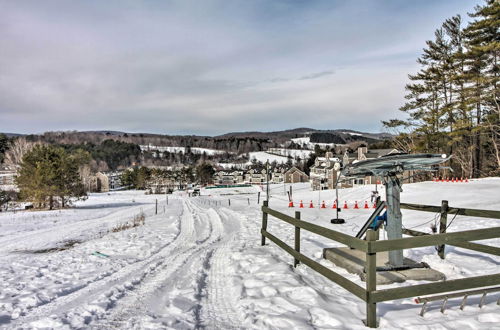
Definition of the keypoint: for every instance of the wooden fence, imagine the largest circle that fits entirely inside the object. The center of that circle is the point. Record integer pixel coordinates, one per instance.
(372, 245)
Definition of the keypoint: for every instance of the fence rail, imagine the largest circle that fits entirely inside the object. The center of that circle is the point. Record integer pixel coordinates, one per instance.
(372, 245)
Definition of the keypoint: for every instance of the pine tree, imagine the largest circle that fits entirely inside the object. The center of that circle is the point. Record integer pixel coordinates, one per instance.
(483, 43)
(453, 101)
(47, 172)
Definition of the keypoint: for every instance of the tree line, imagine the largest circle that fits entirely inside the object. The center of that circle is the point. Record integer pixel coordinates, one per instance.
(453, 100)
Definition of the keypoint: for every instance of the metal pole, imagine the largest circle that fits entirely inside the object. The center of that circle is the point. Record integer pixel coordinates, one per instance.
(337, 196)
(394, 217)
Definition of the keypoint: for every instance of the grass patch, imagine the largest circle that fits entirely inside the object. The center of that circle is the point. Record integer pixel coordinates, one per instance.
(138, 220)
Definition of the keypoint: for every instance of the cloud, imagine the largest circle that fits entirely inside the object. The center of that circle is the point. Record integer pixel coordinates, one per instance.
(208, 67)
(316, 75)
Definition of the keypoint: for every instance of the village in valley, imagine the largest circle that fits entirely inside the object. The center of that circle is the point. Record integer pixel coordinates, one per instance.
(284, 165)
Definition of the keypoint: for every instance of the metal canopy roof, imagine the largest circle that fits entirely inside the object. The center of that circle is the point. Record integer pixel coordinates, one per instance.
(394, 163)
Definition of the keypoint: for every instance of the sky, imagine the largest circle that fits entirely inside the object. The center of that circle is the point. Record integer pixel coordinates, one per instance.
(210, 67)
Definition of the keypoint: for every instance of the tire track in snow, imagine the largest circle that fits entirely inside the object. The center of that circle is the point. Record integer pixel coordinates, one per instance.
(193, 252)
(222, 298)
(132, 273)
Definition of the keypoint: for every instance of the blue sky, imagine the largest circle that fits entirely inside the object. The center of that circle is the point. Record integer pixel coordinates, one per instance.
(209, 67)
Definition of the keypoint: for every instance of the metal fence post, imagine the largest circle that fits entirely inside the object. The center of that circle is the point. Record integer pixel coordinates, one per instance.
(443, 222)
(297, 239)
(264, 222)
(371, 282)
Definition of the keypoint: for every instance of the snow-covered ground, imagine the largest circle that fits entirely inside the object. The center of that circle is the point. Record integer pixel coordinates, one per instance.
(194, 150)
(305, 142)
(302, 154)
(198, 263)
(263, 157)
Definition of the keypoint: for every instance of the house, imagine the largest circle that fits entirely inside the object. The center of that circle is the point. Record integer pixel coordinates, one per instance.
(278, 175)
(101, 182)
(224, 178)
(294, 175)
(255, 176)
(324, 172)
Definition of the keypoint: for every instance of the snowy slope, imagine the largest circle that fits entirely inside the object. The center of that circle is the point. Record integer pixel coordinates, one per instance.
(302, 154)
(305, 142)
(198, 263)
(194, 150)
(263, 157)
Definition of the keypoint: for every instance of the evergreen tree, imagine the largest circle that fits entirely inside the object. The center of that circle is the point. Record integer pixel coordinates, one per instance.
(205, 173)
(47, 172)
(453, 101)
(4, 145)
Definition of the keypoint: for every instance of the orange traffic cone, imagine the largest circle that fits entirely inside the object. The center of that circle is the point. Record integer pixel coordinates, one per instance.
(366, 205)
(345, 205)
(374, 205)
(290, 204)
(447, 179)
(334, 205)
(323, 206)
(356, 205)
(466, 180)
(311, 206)
(461, 179)
(301, 205)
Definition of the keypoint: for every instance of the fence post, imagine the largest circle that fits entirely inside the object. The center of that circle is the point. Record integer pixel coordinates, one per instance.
(443, 222)
(371, 282)
(264, 223)
(297, 239)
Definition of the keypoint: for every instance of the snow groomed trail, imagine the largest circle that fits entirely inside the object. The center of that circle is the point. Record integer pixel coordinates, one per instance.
(198, 264)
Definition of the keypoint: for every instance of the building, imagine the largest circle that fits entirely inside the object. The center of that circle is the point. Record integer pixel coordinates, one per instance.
(294, 175)
(278, 175)
(324, 172)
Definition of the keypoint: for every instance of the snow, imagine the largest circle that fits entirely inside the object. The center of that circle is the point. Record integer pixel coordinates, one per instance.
(263, 157)
(198, 263)
(194, 150)
(352, 133)
(302, 154)
(305, 142)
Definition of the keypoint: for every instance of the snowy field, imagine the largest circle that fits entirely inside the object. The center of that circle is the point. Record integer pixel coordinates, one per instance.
(263, 157)
(305, 142)
(198, 263)
(194, 150)
(302, 154)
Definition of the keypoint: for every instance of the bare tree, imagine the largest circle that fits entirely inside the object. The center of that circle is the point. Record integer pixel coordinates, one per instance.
(17, 150)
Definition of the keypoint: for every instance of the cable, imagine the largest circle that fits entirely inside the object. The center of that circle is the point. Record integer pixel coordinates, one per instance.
(458, 210)
(424, 223)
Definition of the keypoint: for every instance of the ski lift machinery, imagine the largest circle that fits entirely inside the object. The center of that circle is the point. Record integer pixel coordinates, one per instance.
(390, 168)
